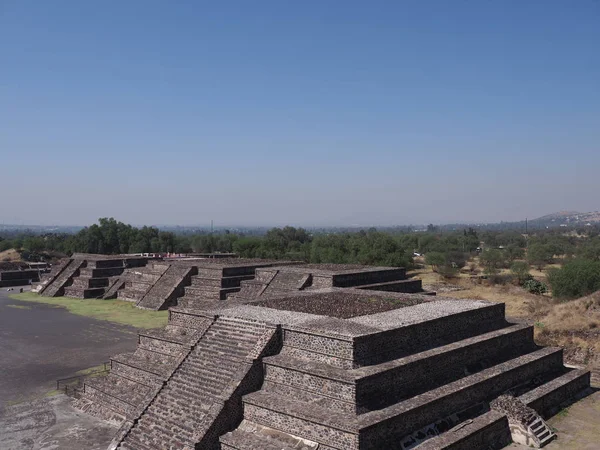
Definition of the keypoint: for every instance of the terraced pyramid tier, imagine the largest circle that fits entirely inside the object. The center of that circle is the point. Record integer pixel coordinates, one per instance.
(338, 368)
(88, 276)
(275, 281)
(421, 375)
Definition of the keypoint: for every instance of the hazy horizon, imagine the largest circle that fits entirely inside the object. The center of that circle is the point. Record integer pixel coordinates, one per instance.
(307, 114)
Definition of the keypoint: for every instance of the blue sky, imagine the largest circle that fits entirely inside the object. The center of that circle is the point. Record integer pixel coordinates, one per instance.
(304, 113)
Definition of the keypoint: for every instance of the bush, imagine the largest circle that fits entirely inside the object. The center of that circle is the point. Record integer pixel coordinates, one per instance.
(492, 260)
(520, 269)
(535, 287)
(501, 279)
(575, 279)
(448, 271)
(539, 255)
(435, 260)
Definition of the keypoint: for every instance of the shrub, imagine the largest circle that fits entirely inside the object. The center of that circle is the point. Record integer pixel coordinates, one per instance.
(520, 269)
(492, 260)
(539, 255)
(448, 271)
(575, 279)
(535, 287)
(435, 260)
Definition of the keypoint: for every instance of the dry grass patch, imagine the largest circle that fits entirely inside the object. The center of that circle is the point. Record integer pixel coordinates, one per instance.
(518, 301)
(10, 255)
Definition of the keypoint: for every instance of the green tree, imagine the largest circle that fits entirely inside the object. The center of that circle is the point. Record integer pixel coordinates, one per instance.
(435, 260)
(575, 279)
(539, 255)
(520, 269)
(492, 260)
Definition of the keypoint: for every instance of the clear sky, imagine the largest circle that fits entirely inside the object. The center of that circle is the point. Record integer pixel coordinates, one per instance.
(298, 112)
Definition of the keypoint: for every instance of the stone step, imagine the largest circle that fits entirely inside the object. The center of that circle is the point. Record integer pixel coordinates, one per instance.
(130, 294)
(202, 291)
(417, 412)
(187, 319)
(489, 430)
(234, 337)
(158, 434)
(406, 286)
(179, 391)
(241, 440)
(239, 337)
(226, 355)
(159, 371)
(548, 398)
(109, 401)
(87, 282)
(222, 282)
(236, 323)
(402, 418)
(209, 293)
(173, 333)
(309, 421)
(101, 272)
(124, 389)
(211, 383)
(77, 292)
(324, 400)
(138, 374)
(173, 349)
(227, 347)
(377, 386)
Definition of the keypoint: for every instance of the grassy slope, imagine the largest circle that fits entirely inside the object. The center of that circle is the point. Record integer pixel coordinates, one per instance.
(574, 325)
(112, 310)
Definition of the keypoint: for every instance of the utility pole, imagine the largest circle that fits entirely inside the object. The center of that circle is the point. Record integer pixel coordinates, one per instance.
(211, 227)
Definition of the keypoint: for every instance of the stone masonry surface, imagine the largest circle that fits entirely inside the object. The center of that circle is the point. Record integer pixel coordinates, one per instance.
(334, 368)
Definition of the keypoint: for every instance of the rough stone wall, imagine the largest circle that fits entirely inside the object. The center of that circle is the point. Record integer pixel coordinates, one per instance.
(442, 365)
(358, 278)
(385, 426)
(410, 339)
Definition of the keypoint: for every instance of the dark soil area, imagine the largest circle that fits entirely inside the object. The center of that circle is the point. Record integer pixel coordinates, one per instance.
(343, 305)
(41, 343)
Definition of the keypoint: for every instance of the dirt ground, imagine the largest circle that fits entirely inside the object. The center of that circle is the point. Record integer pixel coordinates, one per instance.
(39, 344)
(52, 424)
(42, 343)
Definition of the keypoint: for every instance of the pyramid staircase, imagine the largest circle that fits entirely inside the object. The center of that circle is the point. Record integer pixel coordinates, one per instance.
(49, 277)
(63, 278)
(140, 280)
(170, 286)
(202, 398)
(135, 378)
(212, 284)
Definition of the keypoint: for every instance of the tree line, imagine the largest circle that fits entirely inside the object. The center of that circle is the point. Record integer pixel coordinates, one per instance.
(446, 251)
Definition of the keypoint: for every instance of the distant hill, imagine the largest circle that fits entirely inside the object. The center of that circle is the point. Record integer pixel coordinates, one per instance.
(568, 218)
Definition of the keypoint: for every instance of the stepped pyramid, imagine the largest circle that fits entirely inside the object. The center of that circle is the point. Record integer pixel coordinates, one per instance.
(277, 280)
(150, 284)
(87, 276)
(338, 369)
